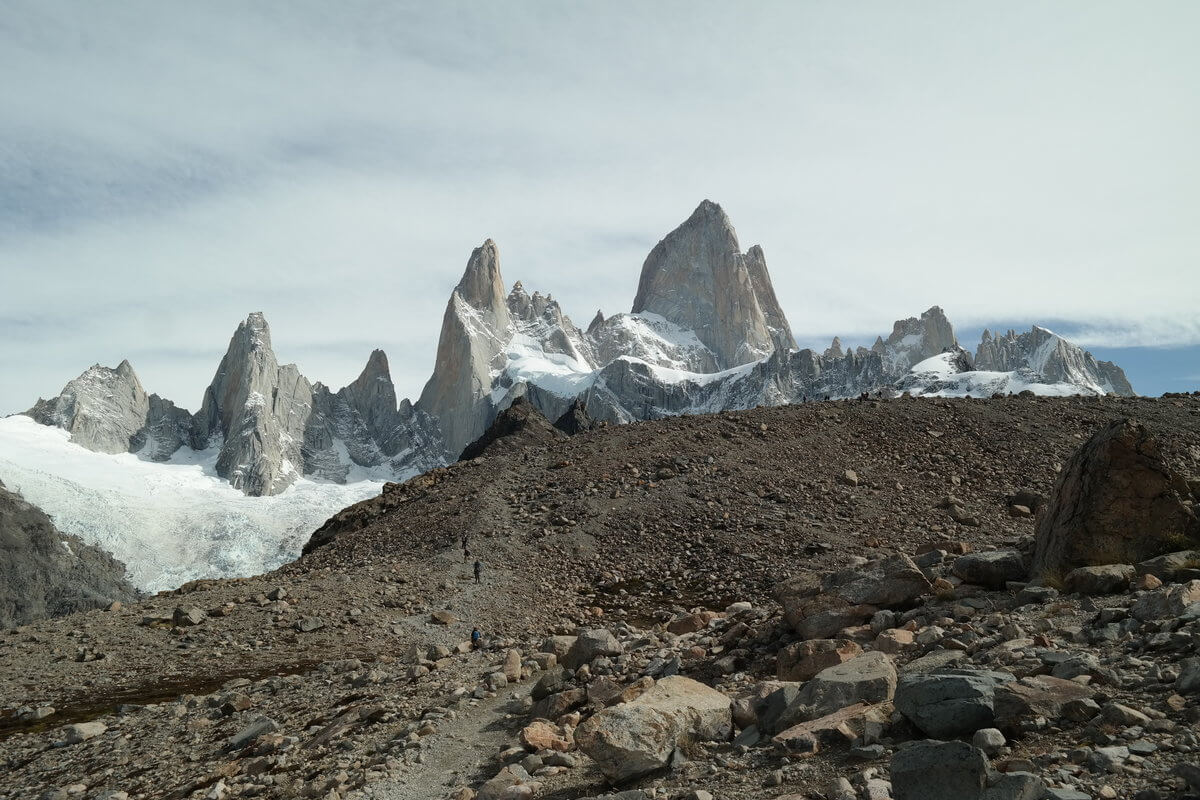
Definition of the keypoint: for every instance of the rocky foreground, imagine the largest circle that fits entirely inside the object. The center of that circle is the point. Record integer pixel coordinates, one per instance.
(832, 600)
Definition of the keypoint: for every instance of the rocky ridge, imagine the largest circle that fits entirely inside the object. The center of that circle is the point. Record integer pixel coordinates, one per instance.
(45, 573)
(706, 333)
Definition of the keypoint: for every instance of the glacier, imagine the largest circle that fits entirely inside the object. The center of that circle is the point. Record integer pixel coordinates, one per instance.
(170, 522)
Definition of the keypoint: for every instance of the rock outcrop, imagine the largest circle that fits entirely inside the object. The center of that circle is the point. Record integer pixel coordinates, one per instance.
(698, 278)
(706, 334)
(258, 411)
(45, 573)
(1048, 358)
(1117, 502)
(474, 329)
(516, 426)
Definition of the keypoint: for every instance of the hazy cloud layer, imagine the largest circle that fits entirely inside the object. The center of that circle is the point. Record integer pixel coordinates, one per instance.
(169, 167)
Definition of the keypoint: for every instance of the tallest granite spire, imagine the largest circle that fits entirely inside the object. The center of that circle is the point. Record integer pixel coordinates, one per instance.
(698, 278)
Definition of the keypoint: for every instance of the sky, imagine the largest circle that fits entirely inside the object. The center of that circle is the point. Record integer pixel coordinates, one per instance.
(167, 168)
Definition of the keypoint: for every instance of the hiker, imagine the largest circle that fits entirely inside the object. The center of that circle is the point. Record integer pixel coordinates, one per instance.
(466, 556)
(478, 570)
(476, 638)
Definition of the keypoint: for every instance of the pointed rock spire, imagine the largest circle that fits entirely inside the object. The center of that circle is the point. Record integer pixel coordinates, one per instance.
(835, 349)
(259, 411)
(597, 321)
(476, 326)
(698, 279)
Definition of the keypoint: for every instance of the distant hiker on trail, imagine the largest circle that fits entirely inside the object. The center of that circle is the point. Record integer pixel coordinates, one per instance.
(466, 556)
(478, 570)
(476, 638)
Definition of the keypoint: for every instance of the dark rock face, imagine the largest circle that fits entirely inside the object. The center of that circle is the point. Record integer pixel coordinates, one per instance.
(576, 419)
(45, 573)
(518, 425)
(1117, 502)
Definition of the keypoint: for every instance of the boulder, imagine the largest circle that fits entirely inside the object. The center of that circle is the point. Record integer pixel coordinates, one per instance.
(635, 738)
(933, 770)
(1172, 566)
(1117, 501)
(552, 680)
(512, 666)
(949, 704)
(186, 616)
(1165, 602)
(802, 660)
(1035, 696)
(841, 727)
(870, 679)
(555, 705)
(992, 569)
(1106, 579)
(543, 735)
(589, 645)
(819, 609)
(82, 731)
(772, 705)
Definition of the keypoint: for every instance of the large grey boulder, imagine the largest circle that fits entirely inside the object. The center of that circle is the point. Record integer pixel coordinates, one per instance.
(590, 644)
(1117, 501)
(933, 770)
(698, 278)
(632, 739)
(949, 704)
(45, 573)
(1105, 579)
(819, 609)
(869, 678)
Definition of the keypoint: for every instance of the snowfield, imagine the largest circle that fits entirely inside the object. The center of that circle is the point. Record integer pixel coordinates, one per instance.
(169, 522)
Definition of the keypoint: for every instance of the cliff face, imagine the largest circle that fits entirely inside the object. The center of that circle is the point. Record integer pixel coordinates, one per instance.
(474, 328)
(258, 411)
(44, 573)
(698, 278)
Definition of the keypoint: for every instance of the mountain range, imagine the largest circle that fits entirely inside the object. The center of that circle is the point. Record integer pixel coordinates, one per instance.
(705, 333)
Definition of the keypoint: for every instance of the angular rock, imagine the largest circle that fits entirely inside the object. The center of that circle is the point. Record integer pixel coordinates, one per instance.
(992, 569)
(802, 660)
(870, 679)
(949, 704)
(591, 644)
(1107, 579)
(635, 738)
(1040, 695)
(840, 727)
(1116, 502)
(1165, 602)
(933, 770)
(82, 731)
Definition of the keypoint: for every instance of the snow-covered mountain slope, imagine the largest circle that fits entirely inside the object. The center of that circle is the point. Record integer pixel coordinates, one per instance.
(170, 522)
